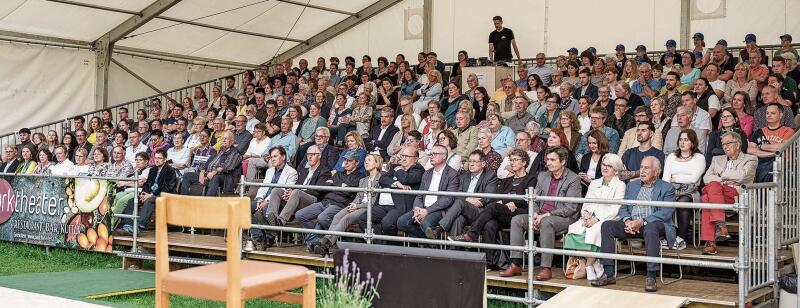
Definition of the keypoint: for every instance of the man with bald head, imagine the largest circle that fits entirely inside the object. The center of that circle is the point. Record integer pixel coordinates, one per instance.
(640, 221)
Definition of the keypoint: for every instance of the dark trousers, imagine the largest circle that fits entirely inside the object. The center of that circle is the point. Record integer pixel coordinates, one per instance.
(496, 211)
(384, 220)
(414, 229)
(615, 229)
(459, 215)
(148, 206)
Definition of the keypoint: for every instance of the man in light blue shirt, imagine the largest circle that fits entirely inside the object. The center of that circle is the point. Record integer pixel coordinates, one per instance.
(285, 139)
(541, 69)
(598, 117)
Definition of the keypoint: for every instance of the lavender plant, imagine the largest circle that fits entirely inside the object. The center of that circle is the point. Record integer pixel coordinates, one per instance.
(348, 289)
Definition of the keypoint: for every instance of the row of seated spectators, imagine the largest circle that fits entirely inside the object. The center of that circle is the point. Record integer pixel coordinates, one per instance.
(658, 136)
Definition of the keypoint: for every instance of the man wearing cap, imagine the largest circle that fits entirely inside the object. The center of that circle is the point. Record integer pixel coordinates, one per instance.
(751, 46)
(621, 58)
(670, 47)
(641, 55)
(333, 202)
(541, 69)
(500, 42)
(573, 54)
(786, 46)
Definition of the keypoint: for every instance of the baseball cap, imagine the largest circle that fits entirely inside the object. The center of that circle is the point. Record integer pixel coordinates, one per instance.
(572, 50)
(594, 50)
(351, 155)
(669, 53)
(620, 47)
(722, 42)
(698, 36)
(787, 37)
(749, 38)
(641, 48)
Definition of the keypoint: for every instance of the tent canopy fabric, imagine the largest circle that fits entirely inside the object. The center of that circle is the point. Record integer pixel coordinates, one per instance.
(267, 25)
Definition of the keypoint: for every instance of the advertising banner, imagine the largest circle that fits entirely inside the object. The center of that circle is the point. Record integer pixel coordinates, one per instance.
(60, 212)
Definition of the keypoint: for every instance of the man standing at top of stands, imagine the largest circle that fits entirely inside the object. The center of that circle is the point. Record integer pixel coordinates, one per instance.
(500, 42)
(640, 221)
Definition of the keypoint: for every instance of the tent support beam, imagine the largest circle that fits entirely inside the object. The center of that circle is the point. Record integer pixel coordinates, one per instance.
(427, 25)
(102, 50)
(686, 24)
(335, 30)
(231, 30)
(129, 71)
(322, 8)
(44, 38)
(140, 18)
(165, 56)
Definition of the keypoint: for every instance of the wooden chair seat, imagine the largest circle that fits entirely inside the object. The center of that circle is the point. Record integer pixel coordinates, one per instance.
(259, 279)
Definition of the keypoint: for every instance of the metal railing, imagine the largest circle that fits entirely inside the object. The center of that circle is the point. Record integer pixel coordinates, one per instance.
(757, 236)
(530, 249)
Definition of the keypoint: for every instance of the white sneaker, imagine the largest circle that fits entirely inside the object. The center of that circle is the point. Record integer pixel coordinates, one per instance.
(680, 244)
(590, 274)
(598, 268)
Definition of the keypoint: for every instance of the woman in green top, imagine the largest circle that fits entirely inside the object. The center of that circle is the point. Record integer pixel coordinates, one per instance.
(28, 164)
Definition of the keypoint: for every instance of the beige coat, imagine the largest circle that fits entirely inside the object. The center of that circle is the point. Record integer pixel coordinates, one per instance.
(615, 190)
(467, 141)
(742, 171)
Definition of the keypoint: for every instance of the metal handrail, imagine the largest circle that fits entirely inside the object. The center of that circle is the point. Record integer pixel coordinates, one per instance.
(788, 143)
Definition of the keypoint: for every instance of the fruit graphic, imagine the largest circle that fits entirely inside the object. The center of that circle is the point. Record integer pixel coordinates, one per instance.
(89, 194)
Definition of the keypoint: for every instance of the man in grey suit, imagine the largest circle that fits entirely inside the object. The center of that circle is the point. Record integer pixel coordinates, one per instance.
(429, 209)
(550, 218)
(465, 210)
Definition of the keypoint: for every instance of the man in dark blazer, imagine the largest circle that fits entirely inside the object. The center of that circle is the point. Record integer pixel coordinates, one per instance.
(10, 160)
(648, 222)
(465, 210)
(389, 207)
(585, 87)
(429, 209)
(162, 178)
(381, 136)
(329, 156)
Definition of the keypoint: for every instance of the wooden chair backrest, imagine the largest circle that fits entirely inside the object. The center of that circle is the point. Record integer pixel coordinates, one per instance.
(204, 212)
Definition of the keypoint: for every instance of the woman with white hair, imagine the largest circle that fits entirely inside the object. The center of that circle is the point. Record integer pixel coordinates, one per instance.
(584, 234)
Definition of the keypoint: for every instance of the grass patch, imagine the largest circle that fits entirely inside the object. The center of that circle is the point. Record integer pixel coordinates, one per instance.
(20, 258)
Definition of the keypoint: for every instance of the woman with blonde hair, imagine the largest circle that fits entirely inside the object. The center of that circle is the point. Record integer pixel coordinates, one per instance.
(352, 142)
(354, 210)
(584, 234)
(407, 125)
(741, 81)
(630, 71)
(430, 91)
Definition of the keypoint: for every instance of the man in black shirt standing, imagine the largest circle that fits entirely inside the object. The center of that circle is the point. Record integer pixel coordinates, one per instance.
(500, 42)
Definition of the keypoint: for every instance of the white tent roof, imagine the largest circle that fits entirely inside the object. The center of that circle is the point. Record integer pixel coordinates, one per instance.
(262, 24)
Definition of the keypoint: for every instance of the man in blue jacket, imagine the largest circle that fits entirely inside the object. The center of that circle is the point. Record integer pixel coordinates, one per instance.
(640, 221)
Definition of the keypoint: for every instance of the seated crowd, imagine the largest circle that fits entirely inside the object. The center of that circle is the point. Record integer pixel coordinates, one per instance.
(690, 127)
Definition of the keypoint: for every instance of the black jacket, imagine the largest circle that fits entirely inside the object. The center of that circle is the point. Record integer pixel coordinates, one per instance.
(167, 180)
(342, 179)
(320, 176)
(591, 91)
(328, 158)
(505, 186)
(12, 168)
(487, 183)
(411, 177)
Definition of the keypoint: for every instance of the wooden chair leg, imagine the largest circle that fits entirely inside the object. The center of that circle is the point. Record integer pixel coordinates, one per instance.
(310, 290)
(162, 299)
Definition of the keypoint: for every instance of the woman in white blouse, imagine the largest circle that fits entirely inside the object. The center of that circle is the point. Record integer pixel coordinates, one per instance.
(683, 169)
(180, 155)
(584, 234)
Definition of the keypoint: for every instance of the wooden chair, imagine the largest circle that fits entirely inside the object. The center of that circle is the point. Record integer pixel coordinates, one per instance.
(235, 280)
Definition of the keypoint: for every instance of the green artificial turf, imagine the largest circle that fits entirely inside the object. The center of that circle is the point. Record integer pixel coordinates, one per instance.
(21, 259)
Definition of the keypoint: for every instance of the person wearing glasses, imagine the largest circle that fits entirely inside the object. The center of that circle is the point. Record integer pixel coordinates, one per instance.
(465, 210)
(268, 200)
(429, 209)
(10, 161)
(161, 178)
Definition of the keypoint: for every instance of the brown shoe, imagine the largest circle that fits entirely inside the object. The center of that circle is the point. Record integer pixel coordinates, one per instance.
(722, 234)
(544, 274)
(710, 248)
(650, 284)
(604, 280)
(511, 271)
